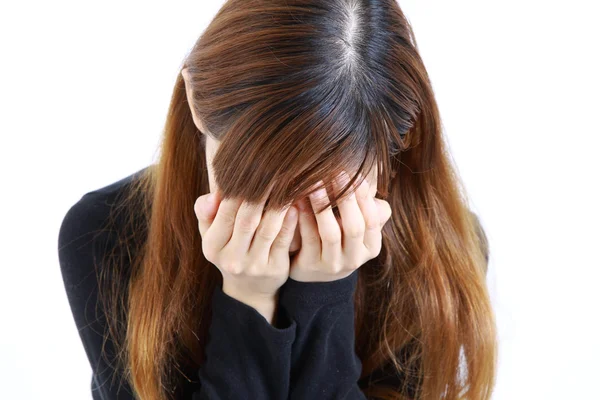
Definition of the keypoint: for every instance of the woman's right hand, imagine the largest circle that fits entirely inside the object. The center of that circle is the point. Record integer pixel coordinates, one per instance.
(250, 250)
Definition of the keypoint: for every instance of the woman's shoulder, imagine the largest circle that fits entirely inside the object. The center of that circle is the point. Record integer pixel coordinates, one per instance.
(89, 233)
(85, 232)
(106, 196)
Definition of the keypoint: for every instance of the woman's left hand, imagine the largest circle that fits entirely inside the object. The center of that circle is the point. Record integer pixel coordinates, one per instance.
(331, 249)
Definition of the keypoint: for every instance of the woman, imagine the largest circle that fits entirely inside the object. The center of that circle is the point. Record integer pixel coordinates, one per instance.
(337, 258)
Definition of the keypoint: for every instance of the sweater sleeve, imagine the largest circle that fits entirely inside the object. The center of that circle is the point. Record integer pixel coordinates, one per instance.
(324, 361)
(82, 238)
(246, 356)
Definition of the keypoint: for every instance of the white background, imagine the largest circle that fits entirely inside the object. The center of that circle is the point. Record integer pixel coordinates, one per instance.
(84, 89)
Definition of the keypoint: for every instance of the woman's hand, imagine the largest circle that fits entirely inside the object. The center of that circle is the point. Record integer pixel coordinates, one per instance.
(250, 250)
(329, 251)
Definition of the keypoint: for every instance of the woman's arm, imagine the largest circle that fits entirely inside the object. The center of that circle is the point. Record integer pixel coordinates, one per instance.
(246, 356)
(324, 362)
(82, 240)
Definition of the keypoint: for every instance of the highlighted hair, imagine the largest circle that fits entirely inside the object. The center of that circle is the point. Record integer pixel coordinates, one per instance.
(296, 91)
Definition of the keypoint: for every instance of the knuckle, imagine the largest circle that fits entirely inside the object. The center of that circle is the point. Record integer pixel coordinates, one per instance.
(331, 237)
(247, 224)
(257, 270)
(355, 232)
(278, 242)
(232, 267)
(283, 234)
(311, 239)
(266, 234)
(372, 224)
(228, 216)
(286, 229)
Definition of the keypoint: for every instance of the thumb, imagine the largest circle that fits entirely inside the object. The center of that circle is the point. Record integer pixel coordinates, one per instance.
(206, 207)
(385, 210)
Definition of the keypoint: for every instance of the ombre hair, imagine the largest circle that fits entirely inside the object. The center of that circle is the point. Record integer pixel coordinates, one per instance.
(296, 91)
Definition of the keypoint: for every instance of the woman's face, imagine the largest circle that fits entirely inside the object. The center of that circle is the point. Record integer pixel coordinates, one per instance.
(212, 146)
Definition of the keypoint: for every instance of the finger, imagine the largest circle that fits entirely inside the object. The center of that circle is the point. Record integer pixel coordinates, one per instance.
(328, 226)
(370, 212)
(222, 227)
(384, 209)
(309, 231)
(352, 221)
(206, 210)
(280, 247)
(373, 186)
(267, 231)
(247, 220)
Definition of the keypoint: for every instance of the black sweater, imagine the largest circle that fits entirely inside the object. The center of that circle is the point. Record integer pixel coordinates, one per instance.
(309, 355)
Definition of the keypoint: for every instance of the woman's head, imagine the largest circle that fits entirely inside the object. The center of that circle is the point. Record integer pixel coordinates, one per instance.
(277, 96)
(301, 90)
(211, 146)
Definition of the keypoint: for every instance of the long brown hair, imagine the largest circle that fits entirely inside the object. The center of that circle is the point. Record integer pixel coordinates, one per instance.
(296, 91)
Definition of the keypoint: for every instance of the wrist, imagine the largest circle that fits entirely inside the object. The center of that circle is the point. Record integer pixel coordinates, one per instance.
(264, 305)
